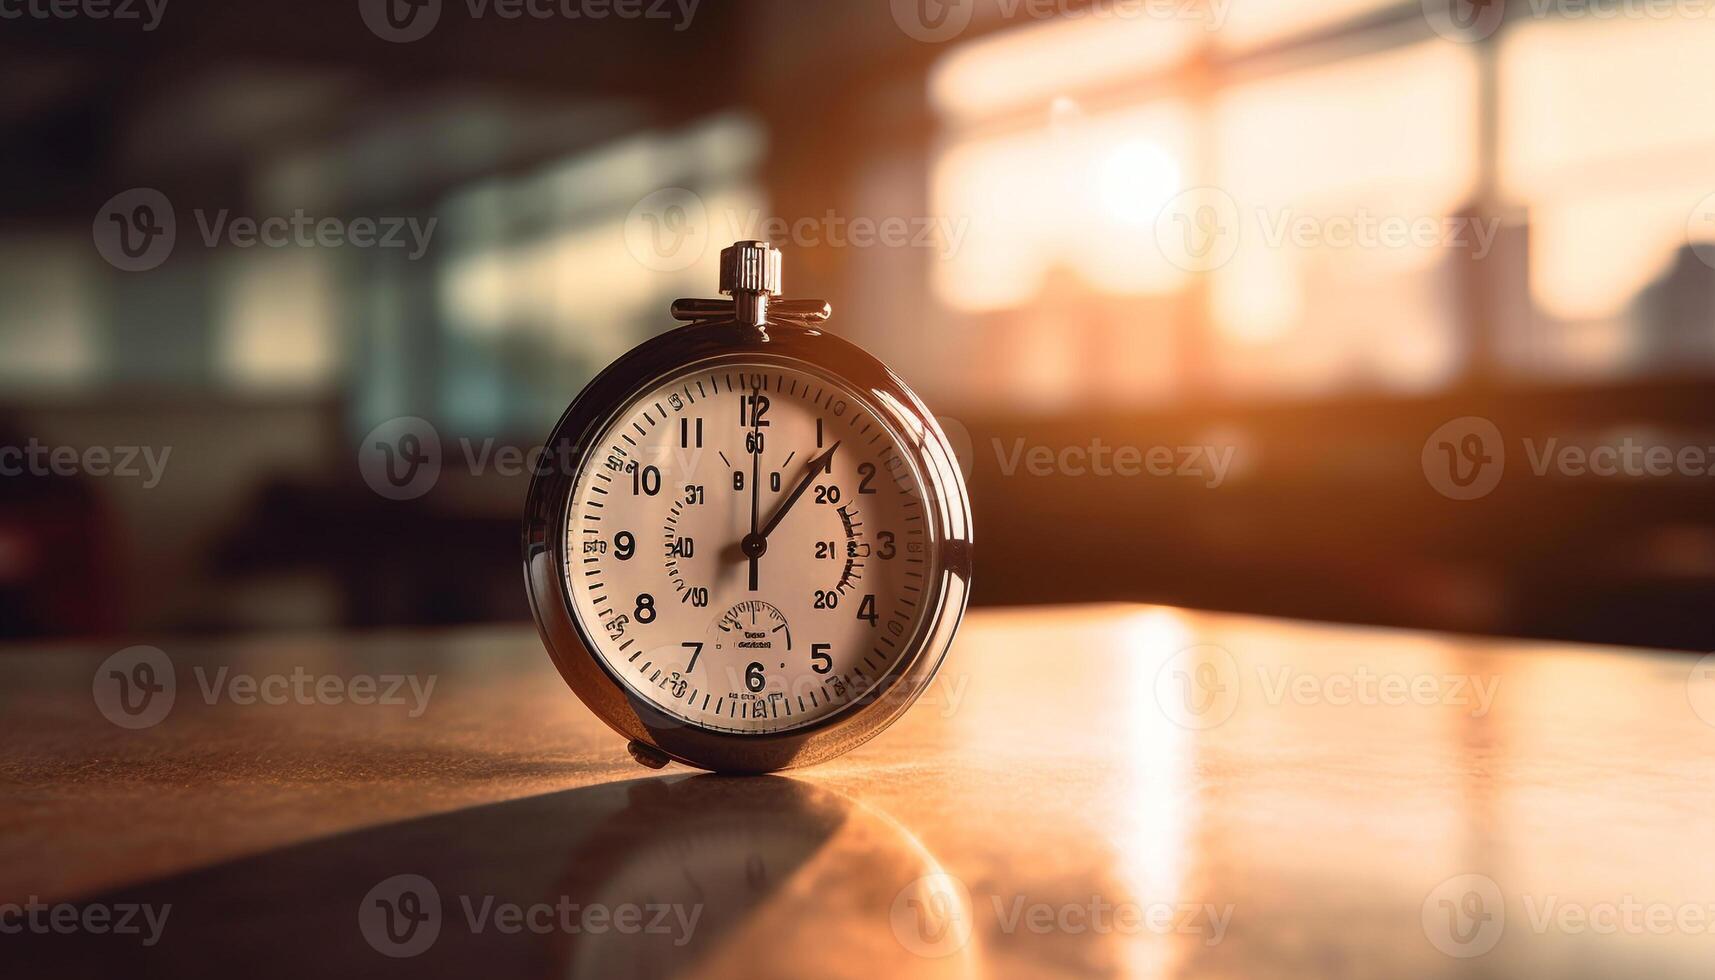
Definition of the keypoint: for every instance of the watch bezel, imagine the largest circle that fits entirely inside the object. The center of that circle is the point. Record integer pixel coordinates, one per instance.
(573, 650)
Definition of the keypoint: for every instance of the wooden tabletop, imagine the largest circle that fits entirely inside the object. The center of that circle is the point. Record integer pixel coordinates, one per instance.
(1094, 791)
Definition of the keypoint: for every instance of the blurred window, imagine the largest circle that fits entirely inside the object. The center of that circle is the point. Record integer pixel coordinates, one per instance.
(1606, 145)
(1347, 181)
(277, 313)
(1360, 208)
(1250, 24)
(49, 336)
(1019, 68)
(542, 288)
(1339, 174)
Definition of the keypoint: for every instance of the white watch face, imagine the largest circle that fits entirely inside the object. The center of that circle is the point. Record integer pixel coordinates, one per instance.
(748, 547)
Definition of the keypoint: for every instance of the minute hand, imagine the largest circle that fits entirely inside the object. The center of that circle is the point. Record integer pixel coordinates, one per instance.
(821, 464)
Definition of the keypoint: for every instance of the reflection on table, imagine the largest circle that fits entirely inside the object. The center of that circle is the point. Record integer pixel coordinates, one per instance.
(1084, 792)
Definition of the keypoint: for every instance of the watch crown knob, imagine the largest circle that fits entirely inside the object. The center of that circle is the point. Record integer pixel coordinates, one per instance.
(750, 267)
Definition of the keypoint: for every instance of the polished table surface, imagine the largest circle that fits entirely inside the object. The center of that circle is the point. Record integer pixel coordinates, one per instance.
(1086, 791)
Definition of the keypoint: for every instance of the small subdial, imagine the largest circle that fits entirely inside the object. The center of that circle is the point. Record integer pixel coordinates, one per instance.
(752, 647)
(679, 552)
(753, 627)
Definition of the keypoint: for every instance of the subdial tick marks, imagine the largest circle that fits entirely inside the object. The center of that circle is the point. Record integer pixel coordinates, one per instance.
(856, 549)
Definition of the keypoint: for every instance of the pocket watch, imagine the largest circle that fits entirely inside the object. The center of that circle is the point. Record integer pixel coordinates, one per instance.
(747, 545)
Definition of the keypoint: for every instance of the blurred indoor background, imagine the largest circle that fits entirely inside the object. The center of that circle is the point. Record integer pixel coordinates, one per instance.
(1393, 215)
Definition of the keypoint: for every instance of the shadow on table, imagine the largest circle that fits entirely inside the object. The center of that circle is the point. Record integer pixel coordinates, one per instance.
(654, 877)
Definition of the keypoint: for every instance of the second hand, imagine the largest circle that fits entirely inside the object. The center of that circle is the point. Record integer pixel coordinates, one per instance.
(755, 544)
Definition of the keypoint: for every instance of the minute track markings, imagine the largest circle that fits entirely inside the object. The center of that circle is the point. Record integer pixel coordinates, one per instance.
(788, 699)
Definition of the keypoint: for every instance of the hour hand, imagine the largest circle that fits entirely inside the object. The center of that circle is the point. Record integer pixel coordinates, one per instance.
(816, 467)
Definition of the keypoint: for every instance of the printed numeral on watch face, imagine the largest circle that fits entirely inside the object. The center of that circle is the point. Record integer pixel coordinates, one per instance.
(748, 548)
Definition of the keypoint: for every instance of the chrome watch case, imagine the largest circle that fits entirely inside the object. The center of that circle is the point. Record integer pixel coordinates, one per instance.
(742, 330)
